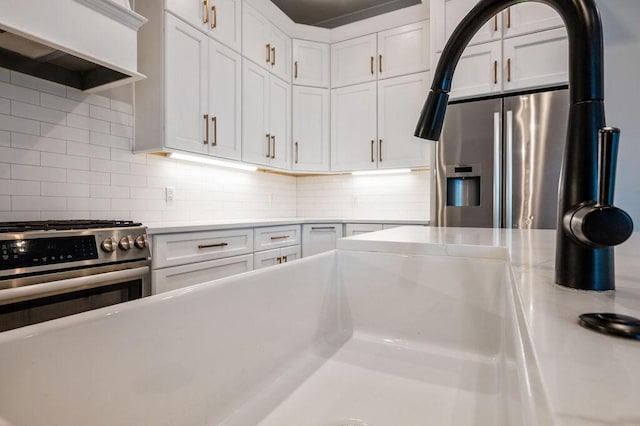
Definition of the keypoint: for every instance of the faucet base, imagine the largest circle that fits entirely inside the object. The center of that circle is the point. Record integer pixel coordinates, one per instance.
(584, 268)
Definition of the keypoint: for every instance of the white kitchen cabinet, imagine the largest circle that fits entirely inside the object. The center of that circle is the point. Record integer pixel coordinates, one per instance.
(320, 237)
(479, 71)
(187, 275)
(536, 60)
(400, 101)
(266, 112)
(352, 229)
(354, 61)
(220, 19)
(310, 129)
(310, 63)
(273, 257)
(445, 16)
(528, 18)
(272, 237)
(404, 50)
(353, 128)
(265, 44)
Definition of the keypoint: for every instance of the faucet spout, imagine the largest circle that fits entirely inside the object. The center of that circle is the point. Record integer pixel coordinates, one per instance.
(580, 262)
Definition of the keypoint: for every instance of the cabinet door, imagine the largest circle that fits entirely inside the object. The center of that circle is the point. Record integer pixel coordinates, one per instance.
(528, 18)
(225, 70)
(290, 254)
(187, 275)
(362, 228)
(272, 237)
(256, 145)
(538, 59)
(404, 50)
(264, 259)
(255, 32)
(353, 128)
(280, 123)
(226, 18)
(194, 12)
(280, 54)
(321, 237)
(447, 14)
(310, 63)
(186, 115)
(479, 71)
(353, 61)
(400, 101)
(310, 129)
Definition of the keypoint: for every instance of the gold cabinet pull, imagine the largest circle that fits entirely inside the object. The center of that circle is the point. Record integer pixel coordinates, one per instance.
(508, 17)
(279, 259)
(214, 13)
(204, 246)
(323, 228)
(280, 237)
(268, 46)
(372, 147)
(285, 259)
(372, 65)
(495, 72)
(273, 151)
(206, 129)
(268, 145)
(214, 120)
(380, 63)
(380, 150)
(509, 69)
(205, 8)
(495, 23)
(273, 58)
(295, 69)
(296, 158)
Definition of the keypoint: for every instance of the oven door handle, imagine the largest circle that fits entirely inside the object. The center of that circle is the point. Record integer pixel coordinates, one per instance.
(19, 294)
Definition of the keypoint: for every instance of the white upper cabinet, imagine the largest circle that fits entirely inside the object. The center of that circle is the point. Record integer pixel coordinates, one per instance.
(404, 50)
(310, 129)
(265, 45)
(310, 63)
(400, 101)
(354, 61)
(280, 123)
(445, 16)
(529, 17)
(479, 71)
(219, 18)
(353, 128)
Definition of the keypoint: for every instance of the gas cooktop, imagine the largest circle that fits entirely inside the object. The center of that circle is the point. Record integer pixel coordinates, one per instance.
(63, 225)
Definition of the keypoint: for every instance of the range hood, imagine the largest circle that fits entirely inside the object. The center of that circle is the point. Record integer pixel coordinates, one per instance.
(90, 45)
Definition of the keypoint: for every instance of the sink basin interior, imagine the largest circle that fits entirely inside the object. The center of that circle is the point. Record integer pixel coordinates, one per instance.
(342, 338)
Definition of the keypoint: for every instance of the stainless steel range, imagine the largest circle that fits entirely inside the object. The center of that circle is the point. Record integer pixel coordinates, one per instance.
(51, 269)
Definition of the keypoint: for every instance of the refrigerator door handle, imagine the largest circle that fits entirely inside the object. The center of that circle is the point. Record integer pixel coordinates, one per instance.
(497, 168)
(508, 178)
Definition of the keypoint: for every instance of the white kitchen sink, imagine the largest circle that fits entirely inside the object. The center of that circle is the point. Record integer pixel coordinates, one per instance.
(341, 338)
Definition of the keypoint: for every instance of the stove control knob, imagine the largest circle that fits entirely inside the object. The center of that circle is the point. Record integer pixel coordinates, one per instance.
(108, 245)
(126, 242)
(141, 241)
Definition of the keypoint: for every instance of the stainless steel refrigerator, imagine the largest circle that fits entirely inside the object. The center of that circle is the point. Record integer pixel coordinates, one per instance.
(498, 162)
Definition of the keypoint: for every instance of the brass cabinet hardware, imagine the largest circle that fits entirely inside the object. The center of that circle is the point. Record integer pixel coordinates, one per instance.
(509, 69)
(273, 151)
(296, 157)
(204, 246)
(380, 150)
(214, 12)
(285, 259)
(508, 17)
(495, 72)
(268, 46)
(495, 23)
(214, 120)
(372, 149)
(205, 8)
(372, 65)
(279, 259)
(280, 237)
(268, 145)
(380, 63)
(295, 69)
(273, 59)
(206, 129)
(323, 228)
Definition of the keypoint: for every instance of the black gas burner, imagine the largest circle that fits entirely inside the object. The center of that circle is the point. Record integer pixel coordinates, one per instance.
(63, 225)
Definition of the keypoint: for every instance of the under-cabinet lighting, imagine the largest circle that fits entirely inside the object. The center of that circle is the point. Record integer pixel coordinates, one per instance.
(381, 172)
(211, 161)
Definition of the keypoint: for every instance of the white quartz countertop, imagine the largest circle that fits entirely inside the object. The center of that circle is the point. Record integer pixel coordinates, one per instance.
(590, 378)
(172, 227)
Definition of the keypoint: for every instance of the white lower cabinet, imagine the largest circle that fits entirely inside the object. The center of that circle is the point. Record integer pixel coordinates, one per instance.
(320, 237)
(273, 257)
(352, 229)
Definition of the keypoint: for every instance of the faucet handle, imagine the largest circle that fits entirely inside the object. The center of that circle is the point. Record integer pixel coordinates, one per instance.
(608, 139)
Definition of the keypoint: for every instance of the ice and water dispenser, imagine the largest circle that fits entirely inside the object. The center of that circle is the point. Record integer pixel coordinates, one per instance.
(463, 185)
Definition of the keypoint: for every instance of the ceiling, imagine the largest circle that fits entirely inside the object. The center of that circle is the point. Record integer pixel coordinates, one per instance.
(333, 13)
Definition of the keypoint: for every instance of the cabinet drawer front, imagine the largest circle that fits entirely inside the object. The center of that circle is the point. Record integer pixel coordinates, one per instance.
(180, 249)
(362, 228)
(276, 236)
(187, 275)
(320, 237)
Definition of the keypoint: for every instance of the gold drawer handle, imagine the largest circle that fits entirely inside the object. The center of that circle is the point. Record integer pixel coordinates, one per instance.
(281, 237)
(273, 59)
(372, 65)
(323, 228)
(204, 246)
(205, 15)
(214, 120)
(214, 12)
(206, 129)
(295, 69)
(268, 46)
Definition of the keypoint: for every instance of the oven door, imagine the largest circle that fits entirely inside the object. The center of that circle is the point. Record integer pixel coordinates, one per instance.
(25, 303)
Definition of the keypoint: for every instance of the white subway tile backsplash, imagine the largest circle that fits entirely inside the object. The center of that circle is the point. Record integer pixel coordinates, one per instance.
(5, 75)
(18, 93)
(89, 204)
(25, 80)
(65, 161)
(5, 106)
(38, 173)
(87, 150)
(5, 202)
(98, 165)
(88, 123)
(5, 170)
(110, 140)
(19, 156)
(17, 215)
(121, 130)
(64, 132)
(101, 191)
(64, 104)
(19, 187)
(128, 180)
(128, 157)
(91, 99)
(65, 189)
(38, 143)
(19, 124)
(5, 138)
(125, 107)
(35, 112)
(27, 203)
